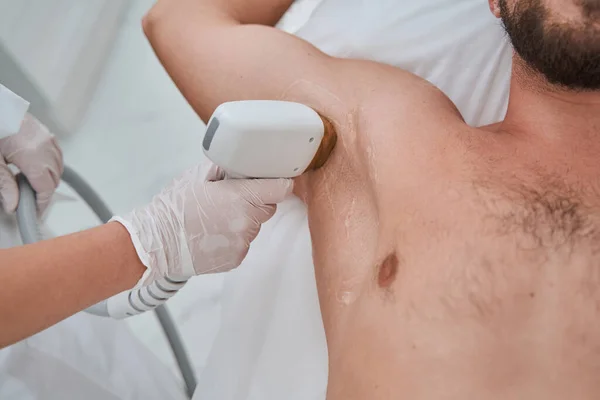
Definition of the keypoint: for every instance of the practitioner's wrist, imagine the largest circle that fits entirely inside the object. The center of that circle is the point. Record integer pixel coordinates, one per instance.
(134, 270)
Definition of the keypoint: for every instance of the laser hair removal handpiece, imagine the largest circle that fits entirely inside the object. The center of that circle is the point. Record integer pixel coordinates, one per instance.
(267, 139)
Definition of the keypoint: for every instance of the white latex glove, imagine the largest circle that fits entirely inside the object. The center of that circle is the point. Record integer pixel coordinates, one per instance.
(35, 151)
(211, 222)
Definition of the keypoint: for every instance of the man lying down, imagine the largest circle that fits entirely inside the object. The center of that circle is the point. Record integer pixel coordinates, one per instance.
(470, 253)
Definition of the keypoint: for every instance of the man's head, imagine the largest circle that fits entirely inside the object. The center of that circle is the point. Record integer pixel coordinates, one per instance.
(559, 39)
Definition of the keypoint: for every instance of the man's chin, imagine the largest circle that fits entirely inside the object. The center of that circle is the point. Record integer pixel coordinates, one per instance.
(568, 57)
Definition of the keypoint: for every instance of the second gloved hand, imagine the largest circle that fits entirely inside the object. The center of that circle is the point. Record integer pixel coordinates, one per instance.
(211, 222)
(36, 153)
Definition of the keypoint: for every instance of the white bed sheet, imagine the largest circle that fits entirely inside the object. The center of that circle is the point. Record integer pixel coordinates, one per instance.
(271, 343)
(85, 357)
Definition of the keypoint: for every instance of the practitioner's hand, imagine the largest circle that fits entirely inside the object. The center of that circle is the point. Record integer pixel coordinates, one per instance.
(36, 153)
(196, 215)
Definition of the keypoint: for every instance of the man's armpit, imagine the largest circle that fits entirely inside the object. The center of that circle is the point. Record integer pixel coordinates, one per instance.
(383, 117)
(336, 106)
(338, 109)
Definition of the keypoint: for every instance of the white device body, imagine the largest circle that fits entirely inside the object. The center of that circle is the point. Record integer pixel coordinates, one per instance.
(263, 138)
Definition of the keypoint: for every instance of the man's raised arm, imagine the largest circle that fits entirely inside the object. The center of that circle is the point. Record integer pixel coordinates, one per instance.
(225, 50)
(218, 51)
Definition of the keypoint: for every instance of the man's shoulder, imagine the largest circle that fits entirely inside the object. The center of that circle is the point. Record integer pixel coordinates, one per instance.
(378, 107)
(406, 94)
(404, 110)
(408, 131)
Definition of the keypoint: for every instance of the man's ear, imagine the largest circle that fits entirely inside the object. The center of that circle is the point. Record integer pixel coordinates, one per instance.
(495, 7)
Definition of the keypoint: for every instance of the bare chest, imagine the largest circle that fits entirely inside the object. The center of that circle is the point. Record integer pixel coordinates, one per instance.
(494, 287)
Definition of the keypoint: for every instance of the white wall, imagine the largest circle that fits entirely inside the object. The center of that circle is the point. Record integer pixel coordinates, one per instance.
(62, 45)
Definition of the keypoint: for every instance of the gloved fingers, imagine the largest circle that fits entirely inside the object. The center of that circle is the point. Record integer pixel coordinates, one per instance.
(225, 249)
(43, 178)
(43, 168)
(216, 252)
(32, 137)
(223, 262)
(241, 256)
(43, 174)
(35, 151)
(9, 190)
(42, 201)
(212, 172)
(44, 181)
(264, 214)
(57, 159)
(54, 162)
(266, 191)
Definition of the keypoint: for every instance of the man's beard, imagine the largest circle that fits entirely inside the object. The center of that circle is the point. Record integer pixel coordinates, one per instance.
(566, 54)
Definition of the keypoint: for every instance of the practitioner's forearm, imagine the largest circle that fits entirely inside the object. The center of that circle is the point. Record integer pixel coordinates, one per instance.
(46, 282)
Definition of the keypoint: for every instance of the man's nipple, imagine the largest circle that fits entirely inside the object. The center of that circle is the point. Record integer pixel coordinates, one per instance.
(387, 270)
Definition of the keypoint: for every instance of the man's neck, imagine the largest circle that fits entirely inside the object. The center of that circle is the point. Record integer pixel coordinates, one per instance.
(537, 108)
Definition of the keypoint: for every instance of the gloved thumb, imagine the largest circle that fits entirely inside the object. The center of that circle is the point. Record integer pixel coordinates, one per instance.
(210, 171)
(266, 191)
(9, 191)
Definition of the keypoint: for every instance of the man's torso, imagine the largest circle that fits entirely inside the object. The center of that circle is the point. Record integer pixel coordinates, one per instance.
(454, 262)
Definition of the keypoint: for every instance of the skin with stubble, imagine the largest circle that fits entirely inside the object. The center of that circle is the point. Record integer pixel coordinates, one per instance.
(452, 262)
